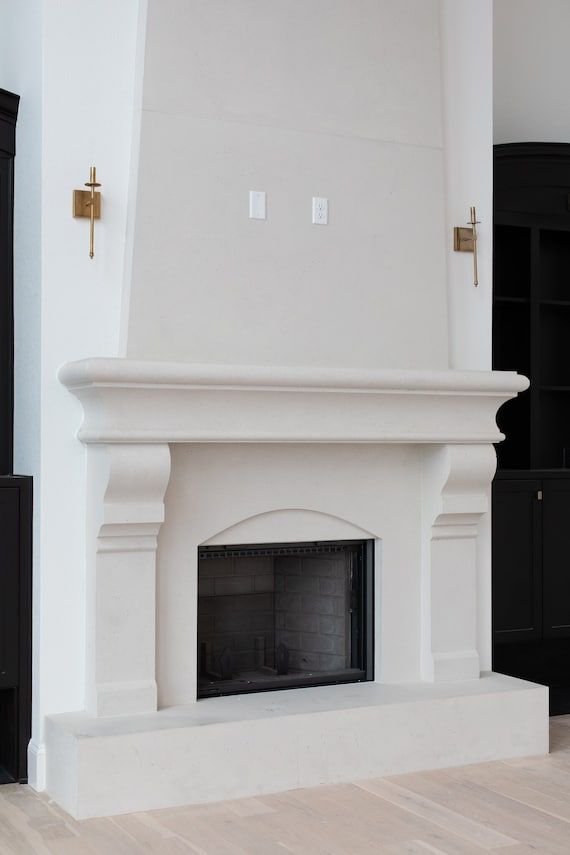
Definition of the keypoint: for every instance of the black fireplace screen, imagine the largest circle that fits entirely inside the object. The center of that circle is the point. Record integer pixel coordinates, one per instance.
(277, 616)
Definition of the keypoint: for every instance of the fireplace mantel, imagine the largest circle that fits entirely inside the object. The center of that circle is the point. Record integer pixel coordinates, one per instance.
(402, 458)
(127, 401)
(136, 411)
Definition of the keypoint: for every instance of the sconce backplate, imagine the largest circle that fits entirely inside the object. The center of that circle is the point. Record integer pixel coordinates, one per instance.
(463, 239)
(81, 206)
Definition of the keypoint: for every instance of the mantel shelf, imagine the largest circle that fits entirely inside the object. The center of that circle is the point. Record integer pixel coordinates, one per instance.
(130, 401)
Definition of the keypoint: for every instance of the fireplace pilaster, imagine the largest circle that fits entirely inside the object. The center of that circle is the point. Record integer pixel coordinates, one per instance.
(125, 510)
(456, 481)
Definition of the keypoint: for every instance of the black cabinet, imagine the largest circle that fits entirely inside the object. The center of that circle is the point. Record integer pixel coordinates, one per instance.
(517, 560)
(531, 494)
(15, 498)
(15, 625)
(556, 559)
(9, 588)
(531, 580)
(531, 558)
(8, 114)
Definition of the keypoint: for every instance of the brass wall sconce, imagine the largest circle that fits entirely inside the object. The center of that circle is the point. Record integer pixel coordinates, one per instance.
(465, 240)
(87, 203)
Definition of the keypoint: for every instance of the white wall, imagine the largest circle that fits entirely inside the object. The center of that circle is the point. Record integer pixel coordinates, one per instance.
(467, 81)
(341, 99)
(21, 72)
(532, 70)
(87, 120)
(71, 65)
(467, 60)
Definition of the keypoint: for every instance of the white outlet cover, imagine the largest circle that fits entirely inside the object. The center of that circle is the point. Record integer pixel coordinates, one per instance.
(257, 205)
(320, 211)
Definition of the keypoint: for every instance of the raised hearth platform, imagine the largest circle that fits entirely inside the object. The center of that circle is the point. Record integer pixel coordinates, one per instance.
(224, 748)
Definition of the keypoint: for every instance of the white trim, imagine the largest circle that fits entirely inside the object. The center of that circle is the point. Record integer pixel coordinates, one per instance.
(37, 765)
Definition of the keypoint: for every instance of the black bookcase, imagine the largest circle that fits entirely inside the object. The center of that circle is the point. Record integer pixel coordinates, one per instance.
(531, 334)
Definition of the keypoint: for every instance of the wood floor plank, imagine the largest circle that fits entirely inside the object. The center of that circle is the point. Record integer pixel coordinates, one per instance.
(16, 833)
(414, 847)
(448, 819)
(150, 835)
(481, 805)
(357, 817)
(528, 792)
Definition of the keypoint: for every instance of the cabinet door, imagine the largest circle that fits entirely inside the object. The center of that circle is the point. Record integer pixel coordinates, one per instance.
(556, 558)
(9, 586)
(517, 606)
(6, 310)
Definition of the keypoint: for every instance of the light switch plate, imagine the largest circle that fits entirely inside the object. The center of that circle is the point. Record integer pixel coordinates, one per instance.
(320, 211)
(257, 205)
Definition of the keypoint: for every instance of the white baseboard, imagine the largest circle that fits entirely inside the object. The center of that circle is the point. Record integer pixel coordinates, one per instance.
(37, 765)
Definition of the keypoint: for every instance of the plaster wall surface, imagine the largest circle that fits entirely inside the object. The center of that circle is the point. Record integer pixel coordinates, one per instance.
(87, 120)
(66, 306)
(532, 69)
(21, 73)
(467, 43)
(343, 101)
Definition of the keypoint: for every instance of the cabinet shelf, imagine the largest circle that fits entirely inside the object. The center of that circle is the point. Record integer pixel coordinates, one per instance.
(516, 300)
(558, 304)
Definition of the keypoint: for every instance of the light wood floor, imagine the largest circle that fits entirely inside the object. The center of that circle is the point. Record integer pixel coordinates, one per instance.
(515, 807)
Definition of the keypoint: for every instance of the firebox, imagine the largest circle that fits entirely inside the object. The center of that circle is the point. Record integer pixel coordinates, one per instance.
(284, 615)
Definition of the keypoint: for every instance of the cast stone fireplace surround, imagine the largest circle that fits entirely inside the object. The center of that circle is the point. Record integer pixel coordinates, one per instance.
(281, 454)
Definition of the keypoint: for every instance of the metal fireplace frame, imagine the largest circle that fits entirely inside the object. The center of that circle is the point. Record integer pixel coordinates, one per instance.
(362, 640)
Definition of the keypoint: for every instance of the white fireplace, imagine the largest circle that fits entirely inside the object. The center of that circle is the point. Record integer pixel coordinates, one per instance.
(184, 456)
(261, 382)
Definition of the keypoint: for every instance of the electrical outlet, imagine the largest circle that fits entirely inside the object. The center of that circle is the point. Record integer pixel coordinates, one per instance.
(320, 211)
(257, 206)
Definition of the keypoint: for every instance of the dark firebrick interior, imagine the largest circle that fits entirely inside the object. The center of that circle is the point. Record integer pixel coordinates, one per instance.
(277, 616)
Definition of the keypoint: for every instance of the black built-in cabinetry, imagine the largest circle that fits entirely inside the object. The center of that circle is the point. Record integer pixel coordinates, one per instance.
(531, 497)
(15, 497)
(15, 625)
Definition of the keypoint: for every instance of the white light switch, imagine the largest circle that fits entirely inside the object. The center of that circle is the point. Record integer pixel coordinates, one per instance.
(320, 211)
(257, 205)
